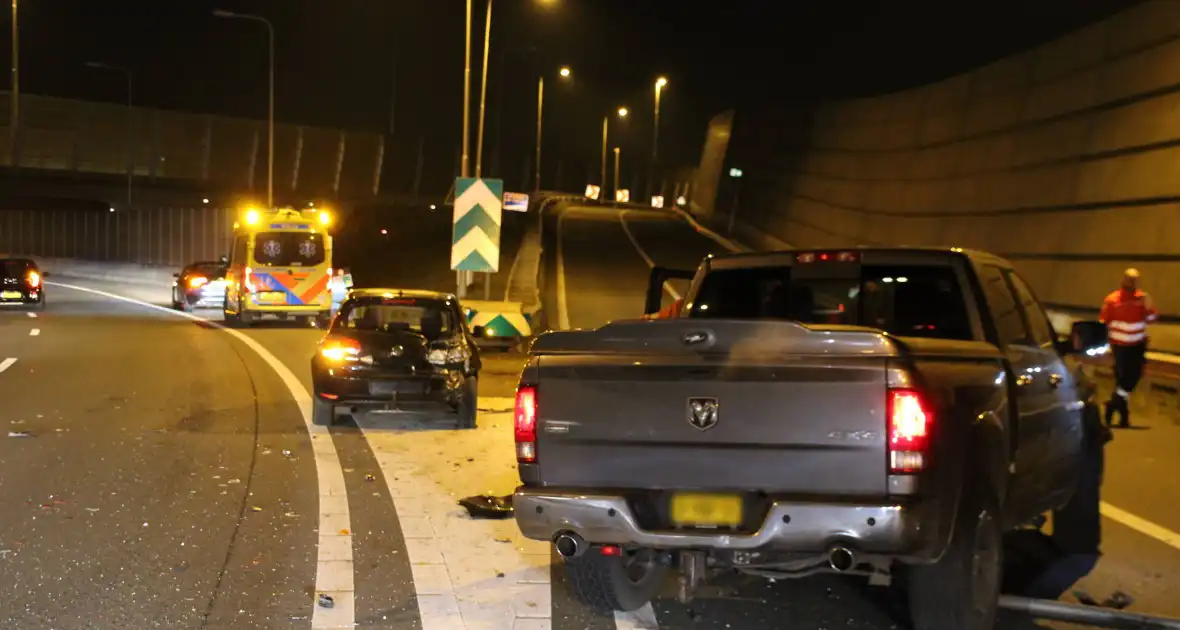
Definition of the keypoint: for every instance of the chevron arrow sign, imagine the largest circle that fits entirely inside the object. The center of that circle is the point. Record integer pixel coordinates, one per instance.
(475, 231)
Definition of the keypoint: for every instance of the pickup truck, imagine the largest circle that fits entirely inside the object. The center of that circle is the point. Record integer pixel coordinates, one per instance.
(878, 412)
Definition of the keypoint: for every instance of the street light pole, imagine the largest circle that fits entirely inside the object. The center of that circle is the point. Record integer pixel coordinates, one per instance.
(466, 104)
(655, 140)
(617, 151)
(483, 91)
(130, 121)
(540, 110)
(14, 107)
(602, 177)
(270, 125)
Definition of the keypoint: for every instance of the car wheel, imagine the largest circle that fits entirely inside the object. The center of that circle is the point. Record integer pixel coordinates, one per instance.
(468, 407)
(962, 589)
(615, 583)
(323, 412)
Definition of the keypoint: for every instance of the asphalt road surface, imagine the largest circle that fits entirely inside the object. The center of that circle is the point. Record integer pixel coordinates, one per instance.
(159, 471)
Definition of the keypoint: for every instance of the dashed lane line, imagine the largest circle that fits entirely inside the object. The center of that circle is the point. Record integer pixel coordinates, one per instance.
(334, 563)
(36, 332)
(7, 363)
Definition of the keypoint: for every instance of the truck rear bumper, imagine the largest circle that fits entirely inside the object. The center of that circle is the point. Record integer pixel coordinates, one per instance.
(906, 532)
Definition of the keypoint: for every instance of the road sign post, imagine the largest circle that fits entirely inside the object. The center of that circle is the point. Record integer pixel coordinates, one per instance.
(475, 228)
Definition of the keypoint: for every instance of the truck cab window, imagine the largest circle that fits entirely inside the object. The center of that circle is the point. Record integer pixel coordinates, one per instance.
(904, 300)
(1040, 330)
(1010, 324)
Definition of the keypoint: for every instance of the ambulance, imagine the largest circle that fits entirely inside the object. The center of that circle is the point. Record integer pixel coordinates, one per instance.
(280, 265)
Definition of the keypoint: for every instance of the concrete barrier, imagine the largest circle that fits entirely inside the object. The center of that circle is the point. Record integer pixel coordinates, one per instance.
(107, 271)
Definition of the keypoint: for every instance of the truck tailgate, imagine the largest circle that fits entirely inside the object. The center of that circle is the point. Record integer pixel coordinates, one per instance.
(748, 406)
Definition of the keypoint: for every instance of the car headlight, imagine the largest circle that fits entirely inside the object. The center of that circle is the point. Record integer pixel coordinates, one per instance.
(447, 356)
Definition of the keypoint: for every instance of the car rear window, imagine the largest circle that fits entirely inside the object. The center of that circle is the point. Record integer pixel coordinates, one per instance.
(904, 300)
(209, 270)
(430, 318)
(15, 267)
(288, 249)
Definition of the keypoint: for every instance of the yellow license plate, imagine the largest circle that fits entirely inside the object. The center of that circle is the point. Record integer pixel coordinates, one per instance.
(10, 295)
(272, 296)
(710, 510)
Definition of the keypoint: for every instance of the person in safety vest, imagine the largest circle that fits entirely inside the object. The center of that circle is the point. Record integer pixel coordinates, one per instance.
(1126, 313)
(668, 312)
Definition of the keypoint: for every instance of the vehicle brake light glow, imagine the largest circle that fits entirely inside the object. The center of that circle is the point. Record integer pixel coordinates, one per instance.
(524, 424)
(248, 281)
(34, 279)
(810, 257)
(910, 422)
(340, 349)
(197, 281)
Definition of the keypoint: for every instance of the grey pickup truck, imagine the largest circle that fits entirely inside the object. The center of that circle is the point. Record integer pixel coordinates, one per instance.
(878, 412)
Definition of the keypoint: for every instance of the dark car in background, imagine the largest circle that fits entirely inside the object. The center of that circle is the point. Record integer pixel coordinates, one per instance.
(21, 283)
(401, 350)
(199, 285)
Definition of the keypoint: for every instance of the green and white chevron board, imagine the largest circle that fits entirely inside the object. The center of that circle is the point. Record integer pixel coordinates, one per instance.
(499, 319)
(475, 232)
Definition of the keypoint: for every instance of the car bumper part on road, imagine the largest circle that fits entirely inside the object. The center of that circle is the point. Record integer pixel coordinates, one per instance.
(900, 531)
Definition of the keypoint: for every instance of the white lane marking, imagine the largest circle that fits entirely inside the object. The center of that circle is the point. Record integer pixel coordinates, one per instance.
(467, 573)
(647, 259)
(334, 569)
(563, 314)
(641, 619)
(1141, 525)
(7, 363)
(36, 332)
(32, 315)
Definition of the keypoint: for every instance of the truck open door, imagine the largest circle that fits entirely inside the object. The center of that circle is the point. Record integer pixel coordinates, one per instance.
(655, 286)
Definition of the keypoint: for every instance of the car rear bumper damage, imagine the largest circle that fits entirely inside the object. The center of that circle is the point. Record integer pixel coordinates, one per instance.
(392, 390)
(900, 531)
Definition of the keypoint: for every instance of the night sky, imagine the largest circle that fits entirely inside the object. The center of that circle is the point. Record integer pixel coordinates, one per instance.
(397, 65)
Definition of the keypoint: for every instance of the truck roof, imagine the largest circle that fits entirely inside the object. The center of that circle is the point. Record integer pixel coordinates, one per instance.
(787, 256)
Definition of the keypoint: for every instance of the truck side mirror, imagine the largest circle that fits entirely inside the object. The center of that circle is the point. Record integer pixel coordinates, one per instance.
(655, 286)
(1088, 338)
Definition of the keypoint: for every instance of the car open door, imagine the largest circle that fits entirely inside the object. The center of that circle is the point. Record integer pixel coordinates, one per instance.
(655, 286)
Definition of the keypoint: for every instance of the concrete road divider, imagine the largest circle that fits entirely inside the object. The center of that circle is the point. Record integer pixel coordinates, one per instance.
(158, 275)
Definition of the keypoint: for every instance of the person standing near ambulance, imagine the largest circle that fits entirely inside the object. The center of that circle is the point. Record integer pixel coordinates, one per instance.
(1126, 313)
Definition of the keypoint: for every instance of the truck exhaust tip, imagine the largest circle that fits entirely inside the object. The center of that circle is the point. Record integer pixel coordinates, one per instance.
(841, 559)
(569, 545)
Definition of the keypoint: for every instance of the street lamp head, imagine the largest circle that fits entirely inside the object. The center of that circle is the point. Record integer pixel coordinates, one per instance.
(623, 112)
(661, 82)
(565, 71)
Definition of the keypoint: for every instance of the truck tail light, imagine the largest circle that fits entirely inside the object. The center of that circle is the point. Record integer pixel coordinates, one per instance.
(524, 424)
(910, 423)
(811, 257)
(248, 280)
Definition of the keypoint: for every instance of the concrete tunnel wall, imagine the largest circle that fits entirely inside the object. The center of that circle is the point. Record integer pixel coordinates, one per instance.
(1064, 158)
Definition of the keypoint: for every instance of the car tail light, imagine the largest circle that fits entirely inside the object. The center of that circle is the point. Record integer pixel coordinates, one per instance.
(524, 424)
(340, 349)
(34, 279)
(910, 423)
(810, 257)
(197, 281)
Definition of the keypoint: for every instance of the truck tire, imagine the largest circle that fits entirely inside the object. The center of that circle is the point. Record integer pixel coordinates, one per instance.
(613, 583)
(962, 589)
(323, 413)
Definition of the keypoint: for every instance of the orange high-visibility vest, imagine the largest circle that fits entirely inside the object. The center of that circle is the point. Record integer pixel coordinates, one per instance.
(1126, 315)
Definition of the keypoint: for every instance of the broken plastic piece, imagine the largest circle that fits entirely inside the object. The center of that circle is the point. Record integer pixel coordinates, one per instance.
(326, 601)
(488, 507)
